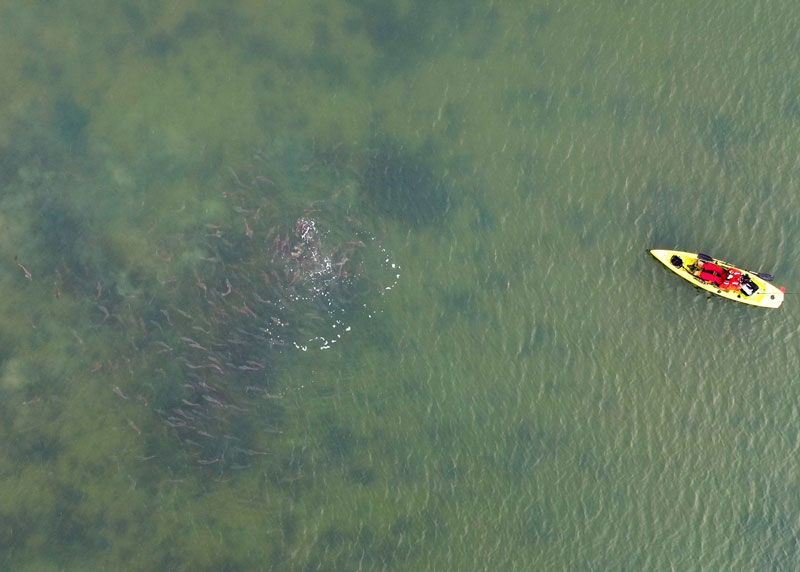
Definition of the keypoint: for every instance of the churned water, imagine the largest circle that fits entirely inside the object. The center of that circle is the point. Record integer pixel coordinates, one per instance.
(363, 285)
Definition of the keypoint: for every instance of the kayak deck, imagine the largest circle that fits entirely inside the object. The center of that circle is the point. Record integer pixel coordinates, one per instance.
(721, 278)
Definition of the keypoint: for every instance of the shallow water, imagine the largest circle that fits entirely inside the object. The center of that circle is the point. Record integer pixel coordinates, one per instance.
(526, 388)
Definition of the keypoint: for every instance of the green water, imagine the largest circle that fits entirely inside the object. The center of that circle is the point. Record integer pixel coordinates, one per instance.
(533, 393)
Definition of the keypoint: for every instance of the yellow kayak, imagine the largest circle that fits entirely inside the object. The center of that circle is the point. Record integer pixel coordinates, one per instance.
(722, 278)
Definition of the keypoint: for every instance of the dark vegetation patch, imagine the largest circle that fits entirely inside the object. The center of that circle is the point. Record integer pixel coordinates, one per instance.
(766, 524)
(628, 109)
(290, 471)
(722, 133)
(404, 185)
(405, 35)
(367, 547)
(530, 445)
(460, 303)
(71, 121)
(537, 336)
(160, 44)
(484, 219)
(362, 475)
(402, 38)
(256, 46)
(538, 19)
(540, 523)
(61, 232)
(227, 23)
(136, 15)
(325, 60)
(41, 148)
(486, 30)
(339, 443)
(34, 446)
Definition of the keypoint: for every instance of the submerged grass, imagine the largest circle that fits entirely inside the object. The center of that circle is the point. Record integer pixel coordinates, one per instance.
(198, 334)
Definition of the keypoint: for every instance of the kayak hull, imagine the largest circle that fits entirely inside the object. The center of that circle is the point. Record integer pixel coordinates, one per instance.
(766, 296)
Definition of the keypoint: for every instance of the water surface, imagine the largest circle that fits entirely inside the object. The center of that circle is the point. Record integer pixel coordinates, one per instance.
(533, 392)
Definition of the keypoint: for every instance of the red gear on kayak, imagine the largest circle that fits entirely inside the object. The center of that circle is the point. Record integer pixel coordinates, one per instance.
(732, 280)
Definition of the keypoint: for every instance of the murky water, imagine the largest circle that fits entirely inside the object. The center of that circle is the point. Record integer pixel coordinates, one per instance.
(365, 286)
